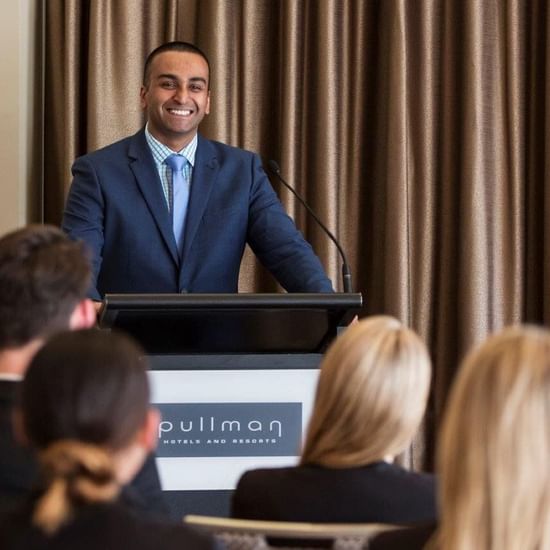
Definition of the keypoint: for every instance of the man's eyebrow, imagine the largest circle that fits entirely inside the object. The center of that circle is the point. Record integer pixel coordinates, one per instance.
(175, 77)
(167, 75)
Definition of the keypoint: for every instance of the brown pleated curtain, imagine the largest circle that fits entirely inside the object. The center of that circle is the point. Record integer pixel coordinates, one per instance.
(415, 128)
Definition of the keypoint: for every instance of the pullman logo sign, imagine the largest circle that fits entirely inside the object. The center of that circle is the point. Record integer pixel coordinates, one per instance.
(229, 429)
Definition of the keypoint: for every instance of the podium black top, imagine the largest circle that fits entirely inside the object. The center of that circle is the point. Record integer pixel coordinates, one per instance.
(230, 323)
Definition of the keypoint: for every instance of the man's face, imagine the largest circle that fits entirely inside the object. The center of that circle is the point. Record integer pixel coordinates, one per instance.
(176, 97)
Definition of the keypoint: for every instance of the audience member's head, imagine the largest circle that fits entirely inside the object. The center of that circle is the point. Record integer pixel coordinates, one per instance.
(371, 395)
(494, 453)
(84, 407)
(44, 277)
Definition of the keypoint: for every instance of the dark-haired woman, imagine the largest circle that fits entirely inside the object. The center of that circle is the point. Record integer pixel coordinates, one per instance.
(84, 408)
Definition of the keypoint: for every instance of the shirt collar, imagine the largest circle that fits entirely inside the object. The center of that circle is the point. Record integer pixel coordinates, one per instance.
(161, 151)
(10, 377)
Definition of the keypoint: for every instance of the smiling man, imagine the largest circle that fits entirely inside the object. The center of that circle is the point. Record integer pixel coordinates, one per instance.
(176, 96)
(169, 211)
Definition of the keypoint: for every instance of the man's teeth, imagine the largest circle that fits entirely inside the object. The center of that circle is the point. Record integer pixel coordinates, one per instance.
(180, 112)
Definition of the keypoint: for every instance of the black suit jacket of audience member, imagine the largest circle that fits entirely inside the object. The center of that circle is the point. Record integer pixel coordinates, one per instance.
(101, 526)
(412, 538)
(19, 473)
(17, 467)
(378, 492)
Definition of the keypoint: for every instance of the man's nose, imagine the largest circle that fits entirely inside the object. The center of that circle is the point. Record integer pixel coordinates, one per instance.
(181, 94)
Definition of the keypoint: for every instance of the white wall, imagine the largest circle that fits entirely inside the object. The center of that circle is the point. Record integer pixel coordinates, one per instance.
(20, 108)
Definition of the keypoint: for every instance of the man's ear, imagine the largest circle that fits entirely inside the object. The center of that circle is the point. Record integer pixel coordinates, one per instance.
(83, 316)
(18, 427)
(142, 100)
(148, 434)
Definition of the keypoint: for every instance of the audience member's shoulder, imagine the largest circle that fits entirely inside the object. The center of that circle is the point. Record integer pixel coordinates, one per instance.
(103, 526)
(412, 484)
(182, 536)
(265, 477)
(148, 532)
(13, 525)
(398, 472)
(254, 486)
(411, 538)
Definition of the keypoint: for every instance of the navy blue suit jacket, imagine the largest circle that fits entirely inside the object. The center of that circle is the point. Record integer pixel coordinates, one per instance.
(117, 206)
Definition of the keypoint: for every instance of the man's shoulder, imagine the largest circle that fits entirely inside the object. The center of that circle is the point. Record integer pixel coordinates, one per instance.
(223, 150)
(117, 149)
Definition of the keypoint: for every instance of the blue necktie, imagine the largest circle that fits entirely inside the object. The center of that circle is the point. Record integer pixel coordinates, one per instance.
(180, 195)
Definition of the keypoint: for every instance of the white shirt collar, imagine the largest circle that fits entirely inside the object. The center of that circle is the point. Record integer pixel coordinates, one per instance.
(10, 377)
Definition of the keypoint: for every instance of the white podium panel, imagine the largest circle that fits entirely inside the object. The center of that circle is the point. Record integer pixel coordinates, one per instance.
(216, 424)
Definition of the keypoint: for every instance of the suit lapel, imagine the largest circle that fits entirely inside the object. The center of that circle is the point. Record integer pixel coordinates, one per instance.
(205, 172)
(148, 181)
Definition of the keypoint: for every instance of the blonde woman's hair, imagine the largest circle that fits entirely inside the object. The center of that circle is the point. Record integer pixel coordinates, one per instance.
(494, 454)
(371, 395)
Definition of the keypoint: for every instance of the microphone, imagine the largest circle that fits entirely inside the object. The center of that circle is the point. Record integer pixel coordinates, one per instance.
(346, 272)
